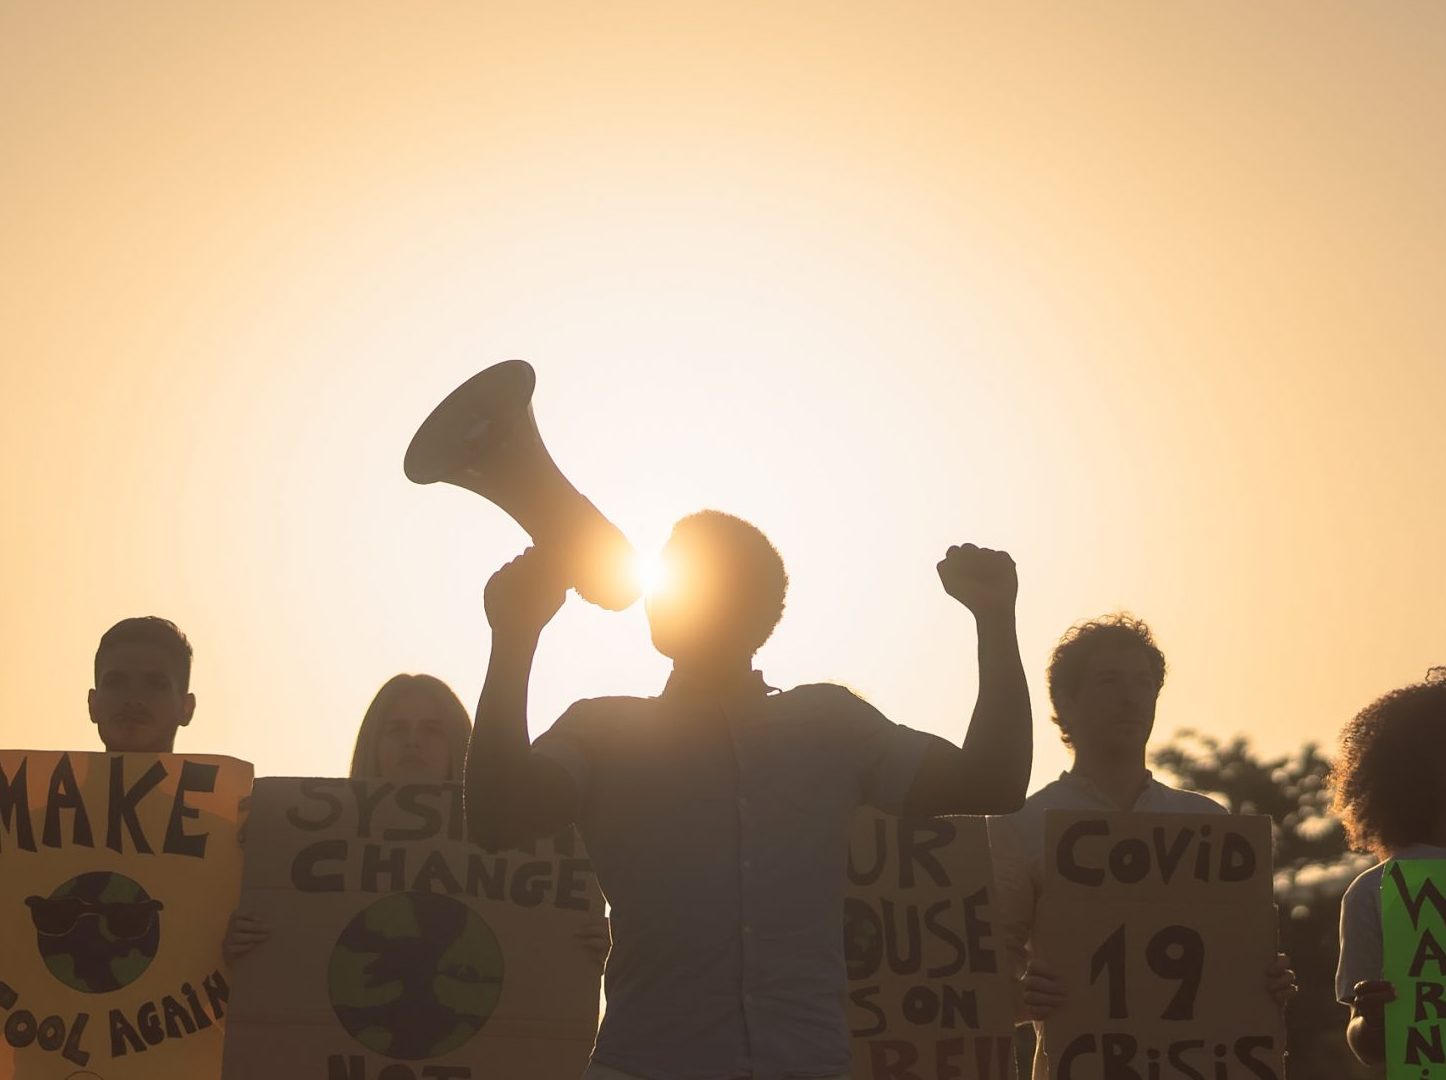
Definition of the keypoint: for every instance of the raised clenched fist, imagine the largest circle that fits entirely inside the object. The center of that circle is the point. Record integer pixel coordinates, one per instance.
(983, 580)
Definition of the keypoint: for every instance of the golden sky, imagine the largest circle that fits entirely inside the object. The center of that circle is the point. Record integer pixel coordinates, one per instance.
(1149, 294)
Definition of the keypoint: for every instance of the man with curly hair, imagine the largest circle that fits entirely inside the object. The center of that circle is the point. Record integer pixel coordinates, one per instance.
(1104, 680)
(1389, 796)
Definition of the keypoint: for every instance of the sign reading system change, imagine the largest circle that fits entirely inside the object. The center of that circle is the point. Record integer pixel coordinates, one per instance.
(1160, 927)
(398, 951)
(928, 992)
(117, 875)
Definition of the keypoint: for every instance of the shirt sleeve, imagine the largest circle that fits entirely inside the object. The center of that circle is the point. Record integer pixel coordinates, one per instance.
(568, 744)
(1361, 949)
(885, 756)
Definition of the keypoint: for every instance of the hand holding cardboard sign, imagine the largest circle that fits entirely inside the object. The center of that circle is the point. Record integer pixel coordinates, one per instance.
(1366, 1032)
(1280, 980)
(596, 938)
(1041, 991)
(244, 931)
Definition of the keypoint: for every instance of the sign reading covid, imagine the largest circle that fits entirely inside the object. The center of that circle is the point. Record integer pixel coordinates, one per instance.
(1160, 927)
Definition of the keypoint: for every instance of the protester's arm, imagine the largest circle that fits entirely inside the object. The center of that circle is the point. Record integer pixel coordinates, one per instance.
(990, 772)
(512, 794)
(1366, 1029)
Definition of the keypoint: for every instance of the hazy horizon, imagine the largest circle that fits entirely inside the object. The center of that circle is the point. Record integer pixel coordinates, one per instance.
(1149, 296)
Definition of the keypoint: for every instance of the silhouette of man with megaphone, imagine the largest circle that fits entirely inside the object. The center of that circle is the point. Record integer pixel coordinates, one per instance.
(716, 813)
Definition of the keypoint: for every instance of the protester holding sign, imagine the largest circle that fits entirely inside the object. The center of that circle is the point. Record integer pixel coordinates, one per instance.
(1390, 797)
(414, 730)
(1104, 681)
(116, 871)
(717, 813)
(142, 688)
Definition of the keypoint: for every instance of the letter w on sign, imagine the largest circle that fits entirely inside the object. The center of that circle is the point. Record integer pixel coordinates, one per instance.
(1413, 929)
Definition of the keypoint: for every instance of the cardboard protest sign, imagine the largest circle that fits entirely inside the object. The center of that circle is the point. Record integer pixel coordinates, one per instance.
(1160, 927)
(117, 875)
(929, 994)
(398, 951)
(1413, 925)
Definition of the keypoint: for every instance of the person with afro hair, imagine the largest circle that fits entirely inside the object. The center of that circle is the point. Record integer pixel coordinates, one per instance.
(1390, 798)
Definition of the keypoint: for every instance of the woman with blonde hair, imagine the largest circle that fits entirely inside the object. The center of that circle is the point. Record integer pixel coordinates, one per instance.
(414, 731)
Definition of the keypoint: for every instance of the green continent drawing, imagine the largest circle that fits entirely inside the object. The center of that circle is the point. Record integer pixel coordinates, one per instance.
(97, 932)
(415, 975)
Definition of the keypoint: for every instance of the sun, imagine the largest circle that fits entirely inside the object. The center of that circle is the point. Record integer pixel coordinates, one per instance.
(650, 571)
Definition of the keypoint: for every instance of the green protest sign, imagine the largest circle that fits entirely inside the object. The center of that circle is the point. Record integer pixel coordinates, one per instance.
(1413, 925)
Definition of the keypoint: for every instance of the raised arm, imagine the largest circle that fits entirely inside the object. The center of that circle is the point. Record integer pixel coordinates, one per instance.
(510, 794)
(990, 772)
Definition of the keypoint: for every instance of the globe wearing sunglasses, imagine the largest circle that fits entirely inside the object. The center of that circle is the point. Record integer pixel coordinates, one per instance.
(97, 932)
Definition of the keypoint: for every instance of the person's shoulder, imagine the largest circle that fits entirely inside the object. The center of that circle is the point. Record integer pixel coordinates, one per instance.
(1184, 801)
(591, 712)
(1029, 818)
(1366, 885)
(825, 699)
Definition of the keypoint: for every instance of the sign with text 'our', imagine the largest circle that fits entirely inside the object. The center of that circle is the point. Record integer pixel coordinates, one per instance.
(929, 995)
(117, 875)
(398, 951)
(1160, 928)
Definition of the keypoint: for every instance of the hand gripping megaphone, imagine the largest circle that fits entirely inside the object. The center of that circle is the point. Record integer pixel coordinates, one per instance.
(483, 437)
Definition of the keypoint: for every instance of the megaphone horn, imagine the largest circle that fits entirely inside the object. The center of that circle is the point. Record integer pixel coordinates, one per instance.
(483, 437)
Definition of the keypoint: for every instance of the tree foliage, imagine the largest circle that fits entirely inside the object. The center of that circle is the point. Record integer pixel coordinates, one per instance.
(1313, 866)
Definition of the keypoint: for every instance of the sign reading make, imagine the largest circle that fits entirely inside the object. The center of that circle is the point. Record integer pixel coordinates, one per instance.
(1160, 927)
(1413, 924)
(928, 992)
(117, 875)
(400, 952)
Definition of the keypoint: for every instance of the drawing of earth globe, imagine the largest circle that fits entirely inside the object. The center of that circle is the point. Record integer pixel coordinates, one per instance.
(97, 932)
(415, 975)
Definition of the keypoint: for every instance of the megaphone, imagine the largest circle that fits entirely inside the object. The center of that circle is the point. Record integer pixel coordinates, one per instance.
(483, 437)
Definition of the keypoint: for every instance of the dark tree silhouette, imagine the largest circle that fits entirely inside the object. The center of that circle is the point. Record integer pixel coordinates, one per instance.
(1313, 867)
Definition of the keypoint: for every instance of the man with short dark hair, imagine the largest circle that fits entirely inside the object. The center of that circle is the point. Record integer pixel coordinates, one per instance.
(716, 814)
(1104, 681)
(142, 690)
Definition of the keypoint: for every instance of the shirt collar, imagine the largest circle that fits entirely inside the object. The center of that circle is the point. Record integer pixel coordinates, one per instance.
(1089, 787)
(682, 688)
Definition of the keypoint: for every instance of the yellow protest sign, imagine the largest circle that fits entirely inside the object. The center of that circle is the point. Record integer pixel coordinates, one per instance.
(117, 875)
(1160, 927)
(400, 952)
(929, 994)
